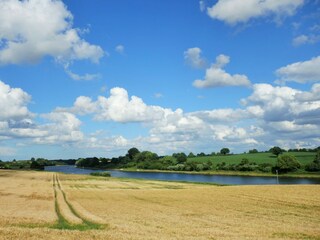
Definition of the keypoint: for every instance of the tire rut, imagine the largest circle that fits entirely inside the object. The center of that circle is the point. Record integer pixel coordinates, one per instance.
(70, 218)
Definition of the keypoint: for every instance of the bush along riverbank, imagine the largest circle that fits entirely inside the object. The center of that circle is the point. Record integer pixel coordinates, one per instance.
(252, 163)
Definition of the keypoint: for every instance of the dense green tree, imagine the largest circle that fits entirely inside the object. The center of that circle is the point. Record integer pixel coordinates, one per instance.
(36, 165)
(181, 157)
(287, 163)
(191, 155)
(315, 165)
(168, 161)
(132, 152)
(88, 162)
(253, 151)
(145, 156)
(276, 150)
(225, 151)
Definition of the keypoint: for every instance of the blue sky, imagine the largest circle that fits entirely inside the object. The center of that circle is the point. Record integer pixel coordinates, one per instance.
(95, 78)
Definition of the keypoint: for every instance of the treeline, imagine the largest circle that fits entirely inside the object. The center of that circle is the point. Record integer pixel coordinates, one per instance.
(135, 159)
(32, 164)
(182, 162)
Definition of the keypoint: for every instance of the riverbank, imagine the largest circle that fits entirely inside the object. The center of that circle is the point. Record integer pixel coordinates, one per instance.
(191, 177)
(222, 173)
(227, 173)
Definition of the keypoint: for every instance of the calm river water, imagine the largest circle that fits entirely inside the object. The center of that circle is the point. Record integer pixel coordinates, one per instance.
(220, 179)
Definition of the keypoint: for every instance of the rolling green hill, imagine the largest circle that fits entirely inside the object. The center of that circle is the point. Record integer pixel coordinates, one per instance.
(303, 157)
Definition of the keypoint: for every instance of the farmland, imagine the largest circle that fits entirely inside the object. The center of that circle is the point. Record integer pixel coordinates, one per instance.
(265, 157)
(43, 205)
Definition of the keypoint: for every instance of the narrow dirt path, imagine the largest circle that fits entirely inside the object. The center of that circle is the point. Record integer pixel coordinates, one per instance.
(68, 216)
(62, 204)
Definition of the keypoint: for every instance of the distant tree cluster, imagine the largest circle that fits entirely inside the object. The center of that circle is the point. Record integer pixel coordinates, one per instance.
(253, 151)
(315, 165)
(245, 165)
(32, 164)
(136, 159)
(304, 149)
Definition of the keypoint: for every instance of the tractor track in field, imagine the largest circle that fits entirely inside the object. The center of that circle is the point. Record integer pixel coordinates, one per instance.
(68, 216)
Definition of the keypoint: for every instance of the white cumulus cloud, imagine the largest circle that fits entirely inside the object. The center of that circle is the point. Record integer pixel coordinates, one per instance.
(193, 57)
(13, 103)
(216, 76)
(300, 72)
(240, 11)
(33, 29)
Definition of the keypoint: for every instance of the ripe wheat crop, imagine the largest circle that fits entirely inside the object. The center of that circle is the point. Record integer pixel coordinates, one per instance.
(33, 205)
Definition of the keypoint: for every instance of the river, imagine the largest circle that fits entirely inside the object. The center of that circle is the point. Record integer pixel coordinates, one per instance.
(203, 178)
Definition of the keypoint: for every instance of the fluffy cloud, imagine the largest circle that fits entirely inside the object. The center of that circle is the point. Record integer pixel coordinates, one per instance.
(223, 115)
(85, 77)
(239, 11)
(270, 115)
(272, 112)
(313, 95)
(193, 57)
(300, 72)
(305, 39)
(218, 77)
(118, 107)
(13, 103)
(63, 127)
(287, 107)
(17, 122)
(40, 28)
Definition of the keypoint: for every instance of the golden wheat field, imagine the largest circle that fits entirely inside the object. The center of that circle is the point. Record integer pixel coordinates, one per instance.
(43, 205)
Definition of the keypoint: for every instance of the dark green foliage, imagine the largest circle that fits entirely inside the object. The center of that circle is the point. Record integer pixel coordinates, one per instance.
(166, 162)
(181, 157)
(101, 174)
(202, 154)
(287, 163)
(245, 165)
(178, 167)
(315, 165)
(132, 152)
(191, 155)
(265, 167)
(276, 150)
(147, 160)
(253, 151)
(304, 149)
(225, 151)
(88, 162)
(145, 156)
(36, 165)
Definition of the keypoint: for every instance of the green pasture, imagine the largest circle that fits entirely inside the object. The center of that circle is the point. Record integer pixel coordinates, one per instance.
(303, 157)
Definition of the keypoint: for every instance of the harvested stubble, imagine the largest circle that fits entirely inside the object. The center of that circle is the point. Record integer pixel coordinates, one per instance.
(136, 209)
